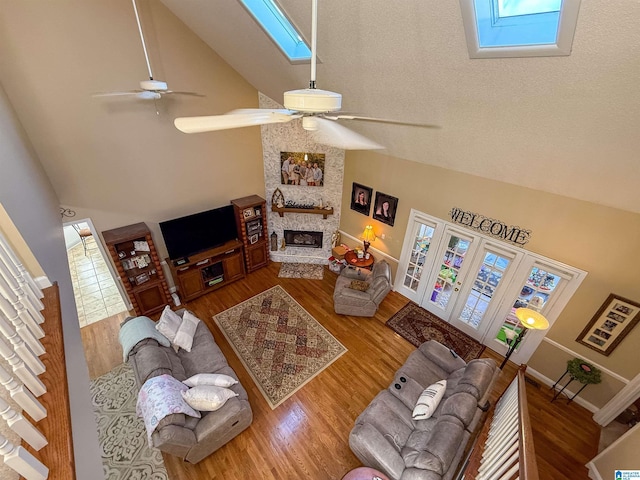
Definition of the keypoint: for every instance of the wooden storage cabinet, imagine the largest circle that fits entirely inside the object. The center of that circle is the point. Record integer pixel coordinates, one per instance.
(136, 259)
(208, 270)
(251, 220)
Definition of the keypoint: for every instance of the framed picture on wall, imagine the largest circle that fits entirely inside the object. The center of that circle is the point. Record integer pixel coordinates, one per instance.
(385, 208)
(612, 322)
(303, 169)
(361, 198)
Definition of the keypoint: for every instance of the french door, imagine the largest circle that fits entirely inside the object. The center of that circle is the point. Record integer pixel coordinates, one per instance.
(475, 282)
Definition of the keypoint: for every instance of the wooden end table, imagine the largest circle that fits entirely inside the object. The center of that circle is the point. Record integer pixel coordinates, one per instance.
(352, 259)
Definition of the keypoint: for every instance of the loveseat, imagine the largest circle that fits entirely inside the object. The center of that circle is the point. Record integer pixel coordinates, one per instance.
(178, 434)
(374, 286)
(387, 438)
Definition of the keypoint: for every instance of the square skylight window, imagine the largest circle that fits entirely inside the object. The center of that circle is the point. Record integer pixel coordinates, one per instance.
(275, 23)
(519, 28)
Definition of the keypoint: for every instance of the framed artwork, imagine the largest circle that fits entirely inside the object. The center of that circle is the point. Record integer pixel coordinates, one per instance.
(361, 198)
(612, 322)
(248, 213)
(303, 169)
(385, 208)
(253, 239)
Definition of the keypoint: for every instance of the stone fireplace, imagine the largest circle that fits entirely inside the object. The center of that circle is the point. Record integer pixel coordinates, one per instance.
(302, 238)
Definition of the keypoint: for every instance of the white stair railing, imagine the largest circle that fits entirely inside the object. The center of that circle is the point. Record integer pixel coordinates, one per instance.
(504, 448)
(20, 273)
(22, 461)
(20, 331)
(22, 396)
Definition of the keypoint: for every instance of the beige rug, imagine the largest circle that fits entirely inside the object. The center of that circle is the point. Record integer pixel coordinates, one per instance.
(280, 344)
(122, 436)
(301, 270)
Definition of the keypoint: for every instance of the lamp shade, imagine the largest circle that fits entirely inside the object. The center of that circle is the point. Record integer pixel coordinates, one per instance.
(532, 319)
(368, 235)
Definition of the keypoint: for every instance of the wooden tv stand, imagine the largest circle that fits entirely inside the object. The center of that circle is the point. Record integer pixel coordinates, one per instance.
(207, 271)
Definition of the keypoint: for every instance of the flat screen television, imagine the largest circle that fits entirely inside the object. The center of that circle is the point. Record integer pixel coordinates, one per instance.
(195, 233)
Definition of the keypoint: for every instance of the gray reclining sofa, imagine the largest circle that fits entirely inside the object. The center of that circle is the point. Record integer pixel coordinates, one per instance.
(387, 438)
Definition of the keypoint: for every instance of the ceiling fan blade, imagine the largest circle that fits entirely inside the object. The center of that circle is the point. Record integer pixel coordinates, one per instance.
(116, 94)
(380, 120)
(172, 92)
(335, 135)
(230, 120)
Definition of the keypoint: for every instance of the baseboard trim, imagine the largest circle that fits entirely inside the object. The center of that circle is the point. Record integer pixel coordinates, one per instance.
(548, 382)
(574, 354)
(594, 474)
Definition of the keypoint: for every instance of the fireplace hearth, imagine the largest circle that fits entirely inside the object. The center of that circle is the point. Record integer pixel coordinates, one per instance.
(301, 238)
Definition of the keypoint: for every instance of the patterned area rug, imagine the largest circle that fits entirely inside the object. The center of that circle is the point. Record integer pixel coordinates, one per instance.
(417, 325)
(122, 436)
(278, 342)
(301, 270)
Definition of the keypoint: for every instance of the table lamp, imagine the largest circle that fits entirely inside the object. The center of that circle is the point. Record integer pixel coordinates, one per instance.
(529, 320)
(368, 236)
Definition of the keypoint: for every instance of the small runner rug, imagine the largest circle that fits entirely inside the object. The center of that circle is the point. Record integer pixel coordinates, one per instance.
(122, 436)
(417, 325)
(280, 344)
(301, 270)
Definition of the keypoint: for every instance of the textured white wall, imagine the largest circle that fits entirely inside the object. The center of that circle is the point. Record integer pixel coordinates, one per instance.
(291, 137)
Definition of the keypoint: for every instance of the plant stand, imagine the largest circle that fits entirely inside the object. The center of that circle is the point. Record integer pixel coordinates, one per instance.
(580, 371)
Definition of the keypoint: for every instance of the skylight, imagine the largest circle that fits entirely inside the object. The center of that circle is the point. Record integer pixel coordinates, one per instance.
(279, 28)
(519, 28)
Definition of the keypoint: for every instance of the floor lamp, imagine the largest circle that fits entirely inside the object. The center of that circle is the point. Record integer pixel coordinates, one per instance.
(529, 320)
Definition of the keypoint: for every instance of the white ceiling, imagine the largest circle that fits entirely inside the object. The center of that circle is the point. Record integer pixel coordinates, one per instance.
(566, 125)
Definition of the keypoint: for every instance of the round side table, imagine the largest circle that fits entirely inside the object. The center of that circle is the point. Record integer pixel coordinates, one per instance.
(352, 259)
(365, 473)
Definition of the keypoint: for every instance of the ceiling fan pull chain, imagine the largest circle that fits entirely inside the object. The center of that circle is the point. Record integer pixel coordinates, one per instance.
(144, 46)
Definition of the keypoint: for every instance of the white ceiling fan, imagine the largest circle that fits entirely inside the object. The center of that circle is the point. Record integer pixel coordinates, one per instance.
(319, 110)
(149, 89)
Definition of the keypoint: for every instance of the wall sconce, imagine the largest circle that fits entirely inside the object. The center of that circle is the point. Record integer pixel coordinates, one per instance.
(529, 320)
(368, 236)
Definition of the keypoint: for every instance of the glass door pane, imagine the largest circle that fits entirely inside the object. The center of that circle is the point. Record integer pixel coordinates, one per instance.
(453, 260)
(539, 287)
(421, 244)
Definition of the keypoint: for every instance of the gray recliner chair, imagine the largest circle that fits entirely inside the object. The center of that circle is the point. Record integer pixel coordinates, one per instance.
(350, 301)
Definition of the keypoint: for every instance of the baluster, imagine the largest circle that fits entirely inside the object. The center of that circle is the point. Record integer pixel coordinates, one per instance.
(20, 327)
(22, 396)
(19, 293)
(22, 426)
(22, 371)
(20, 273)
(21, 461)
(20, 347)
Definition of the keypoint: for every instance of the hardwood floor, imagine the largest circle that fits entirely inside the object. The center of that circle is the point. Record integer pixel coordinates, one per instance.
(307, 436)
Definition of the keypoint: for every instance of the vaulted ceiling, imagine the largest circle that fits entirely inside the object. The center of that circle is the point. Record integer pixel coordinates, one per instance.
(566, 125)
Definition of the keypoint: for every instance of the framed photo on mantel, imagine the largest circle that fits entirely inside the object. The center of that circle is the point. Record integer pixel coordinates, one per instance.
(612, 322)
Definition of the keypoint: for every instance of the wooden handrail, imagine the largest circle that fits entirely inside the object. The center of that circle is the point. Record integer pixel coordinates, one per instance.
(56, 427)
(528, 465)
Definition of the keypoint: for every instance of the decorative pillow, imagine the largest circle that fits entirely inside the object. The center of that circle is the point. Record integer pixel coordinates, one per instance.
(429, 400)
(215, 379)
(207, 398)
(186, 331)
(169, 323)
(360, 285)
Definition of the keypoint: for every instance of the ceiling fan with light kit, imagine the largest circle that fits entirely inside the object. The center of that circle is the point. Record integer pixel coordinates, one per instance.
(318, 109)
(151, 89)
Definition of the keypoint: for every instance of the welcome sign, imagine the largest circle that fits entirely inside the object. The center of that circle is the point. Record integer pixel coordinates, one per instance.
(492, 227)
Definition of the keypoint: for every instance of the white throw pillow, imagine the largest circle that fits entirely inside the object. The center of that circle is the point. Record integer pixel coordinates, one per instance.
(429, 400)
(207, 398)
(169, 323)
(215, 379)
(186, 331)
